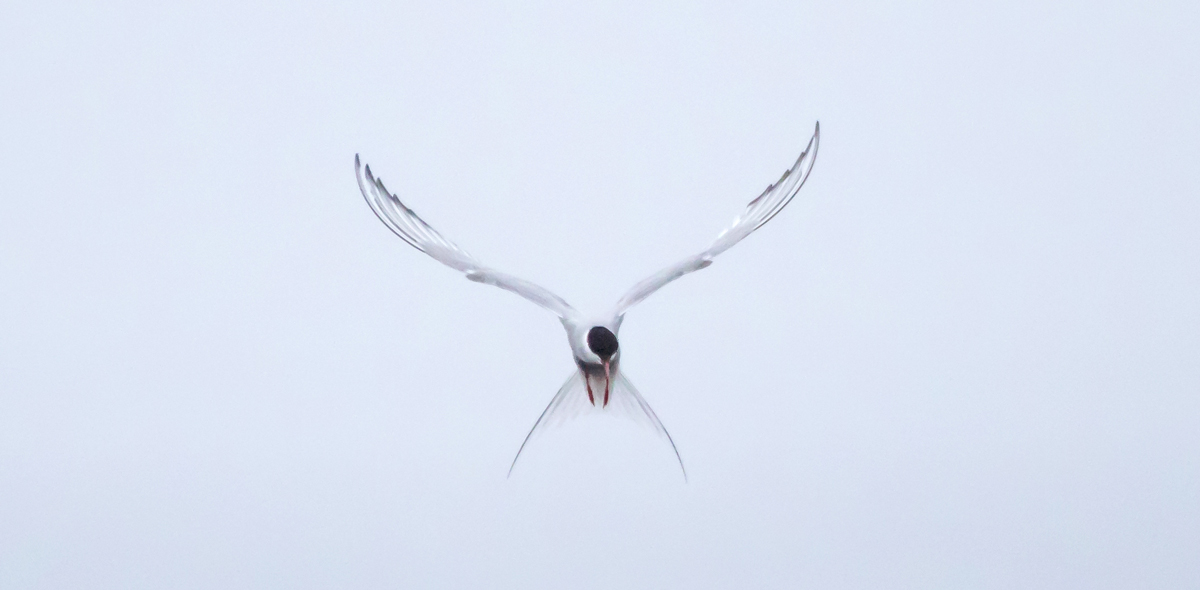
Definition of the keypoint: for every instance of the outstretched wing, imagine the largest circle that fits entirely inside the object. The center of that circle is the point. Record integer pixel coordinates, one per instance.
(405, 223)
(757, 213)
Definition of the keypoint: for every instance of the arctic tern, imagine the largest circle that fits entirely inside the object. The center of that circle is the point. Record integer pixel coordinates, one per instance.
(597, 383)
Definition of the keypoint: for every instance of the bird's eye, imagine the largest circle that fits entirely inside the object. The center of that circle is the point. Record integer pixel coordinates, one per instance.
(602, 342)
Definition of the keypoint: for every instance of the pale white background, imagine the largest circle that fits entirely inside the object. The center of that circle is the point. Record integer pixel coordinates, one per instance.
(965, 357)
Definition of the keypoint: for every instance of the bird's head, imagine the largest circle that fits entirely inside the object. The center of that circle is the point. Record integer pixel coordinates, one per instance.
(603, 342)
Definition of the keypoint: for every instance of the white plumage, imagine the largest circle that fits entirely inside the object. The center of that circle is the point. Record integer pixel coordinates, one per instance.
(598, 382)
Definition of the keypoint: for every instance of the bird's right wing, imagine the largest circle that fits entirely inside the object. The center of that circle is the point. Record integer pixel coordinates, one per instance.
(758, 212)
(405, 223)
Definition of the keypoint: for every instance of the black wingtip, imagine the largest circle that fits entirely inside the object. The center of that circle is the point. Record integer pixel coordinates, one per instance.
(813, 142)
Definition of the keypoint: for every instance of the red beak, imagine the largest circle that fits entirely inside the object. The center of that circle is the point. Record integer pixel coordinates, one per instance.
(607, 381)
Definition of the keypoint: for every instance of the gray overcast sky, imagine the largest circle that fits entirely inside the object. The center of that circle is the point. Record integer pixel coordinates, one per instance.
(966, 356)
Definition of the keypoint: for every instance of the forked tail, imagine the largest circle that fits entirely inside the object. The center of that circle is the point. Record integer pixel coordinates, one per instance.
(565, 404)
(571, 400)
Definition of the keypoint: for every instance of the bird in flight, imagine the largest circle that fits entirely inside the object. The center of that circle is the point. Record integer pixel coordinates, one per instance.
(597, 383)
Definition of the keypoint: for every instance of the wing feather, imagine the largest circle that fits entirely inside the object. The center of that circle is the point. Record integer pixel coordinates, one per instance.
(758, 212)
(405, 223)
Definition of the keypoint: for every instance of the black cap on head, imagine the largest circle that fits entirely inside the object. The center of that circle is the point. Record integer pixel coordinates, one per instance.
(602, 342)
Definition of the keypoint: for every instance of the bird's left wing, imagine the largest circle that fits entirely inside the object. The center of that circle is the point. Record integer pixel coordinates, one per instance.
(758, 212)
(405, 223)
